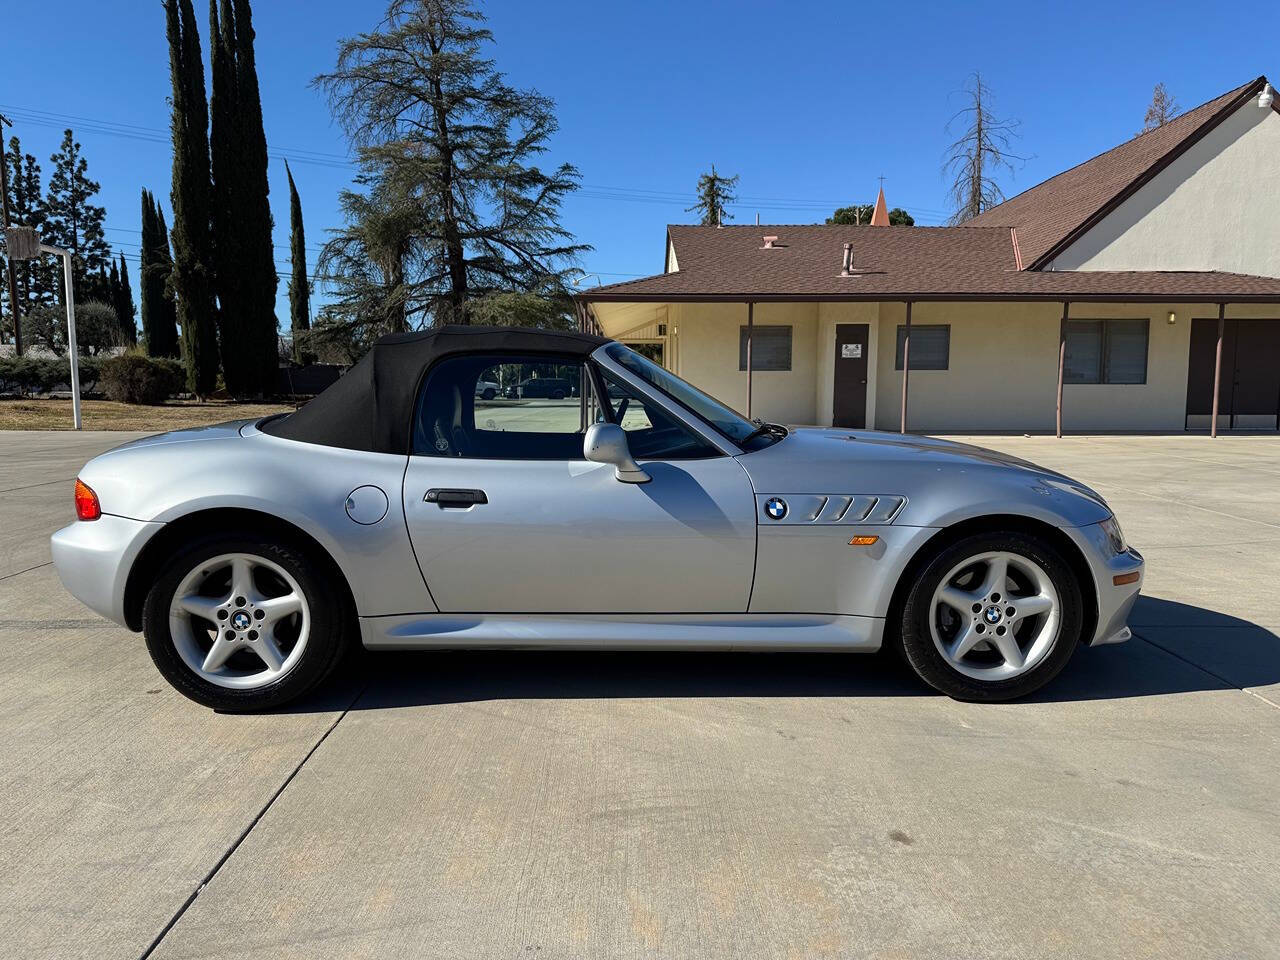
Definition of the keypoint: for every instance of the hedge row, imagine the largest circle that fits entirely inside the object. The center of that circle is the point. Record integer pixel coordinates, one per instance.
(133, 378)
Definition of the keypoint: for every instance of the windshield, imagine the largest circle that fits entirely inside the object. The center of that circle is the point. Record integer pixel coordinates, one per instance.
(729, 422)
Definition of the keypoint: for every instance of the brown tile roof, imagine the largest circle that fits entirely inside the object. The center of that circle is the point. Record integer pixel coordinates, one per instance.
(994, 256)
(895, 263)
(1055, 212)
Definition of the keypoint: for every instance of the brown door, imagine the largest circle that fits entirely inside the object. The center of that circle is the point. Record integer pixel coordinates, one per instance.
(849, 403)
(1250, 368)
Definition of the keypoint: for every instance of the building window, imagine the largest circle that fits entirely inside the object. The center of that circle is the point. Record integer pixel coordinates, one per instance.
(930, 346)
(1106, 351)
(770, 348)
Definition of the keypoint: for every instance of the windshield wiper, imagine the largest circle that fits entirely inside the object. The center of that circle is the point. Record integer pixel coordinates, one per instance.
(774, 428)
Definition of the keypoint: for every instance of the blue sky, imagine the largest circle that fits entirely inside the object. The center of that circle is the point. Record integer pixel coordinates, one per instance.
(808, 102)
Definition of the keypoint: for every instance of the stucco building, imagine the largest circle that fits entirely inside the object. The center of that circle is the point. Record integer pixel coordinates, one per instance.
(1098, 300)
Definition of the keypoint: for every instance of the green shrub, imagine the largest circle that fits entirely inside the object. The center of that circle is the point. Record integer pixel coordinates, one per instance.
(137, 378)
(44, 374)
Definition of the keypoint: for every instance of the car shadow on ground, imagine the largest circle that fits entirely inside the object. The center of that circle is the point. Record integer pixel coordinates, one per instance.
(1178, 649)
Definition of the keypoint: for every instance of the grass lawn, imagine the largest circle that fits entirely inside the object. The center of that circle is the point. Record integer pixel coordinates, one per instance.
(55, 414)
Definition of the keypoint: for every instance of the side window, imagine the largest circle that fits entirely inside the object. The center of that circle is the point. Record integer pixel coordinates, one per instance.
(502, 408)
(652, 432)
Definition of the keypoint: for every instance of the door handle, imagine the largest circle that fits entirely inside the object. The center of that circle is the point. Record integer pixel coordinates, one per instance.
(445, 498)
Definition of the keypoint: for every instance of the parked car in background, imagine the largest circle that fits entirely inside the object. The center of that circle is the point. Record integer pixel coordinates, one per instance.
(647, 516)
(487, 389)
(541, 388)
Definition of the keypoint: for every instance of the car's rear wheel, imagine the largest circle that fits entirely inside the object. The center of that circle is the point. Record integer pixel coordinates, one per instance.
(994, 616)
(557, 394)
(238, 624)
(489, 393)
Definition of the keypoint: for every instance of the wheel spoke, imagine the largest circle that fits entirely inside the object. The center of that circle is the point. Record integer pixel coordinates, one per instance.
(1030, 606)
(276, 608)
(218, 654)
(206, 608)
(1008, 647)
(959, 600)
(242, 578)
(997, 574)
(267, 651)
(965, 640)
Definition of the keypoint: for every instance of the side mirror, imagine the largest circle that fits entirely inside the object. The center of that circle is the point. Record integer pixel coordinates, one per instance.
(607, 443)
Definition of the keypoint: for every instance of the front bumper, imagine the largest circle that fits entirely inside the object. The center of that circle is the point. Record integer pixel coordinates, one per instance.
(1114, 602)
(93, 559)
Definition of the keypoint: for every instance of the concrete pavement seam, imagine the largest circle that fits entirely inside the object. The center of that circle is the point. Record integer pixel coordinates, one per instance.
(31, 486)
(235, 845)
(1206, 670)
(18, 573)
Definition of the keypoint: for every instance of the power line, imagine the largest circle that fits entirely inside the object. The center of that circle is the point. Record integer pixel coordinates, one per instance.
(338, 161)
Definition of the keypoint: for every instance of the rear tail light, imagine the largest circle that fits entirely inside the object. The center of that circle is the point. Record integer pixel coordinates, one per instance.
(87, 506)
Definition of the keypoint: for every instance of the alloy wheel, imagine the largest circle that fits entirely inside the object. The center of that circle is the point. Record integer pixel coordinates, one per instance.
(239, 621)
(995, 616)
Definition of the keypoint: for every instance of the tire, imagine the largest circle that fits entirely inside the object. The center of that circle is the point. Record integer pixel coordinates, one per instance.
(306, 644)
(489, 394)
(557, 394)
(935, 633)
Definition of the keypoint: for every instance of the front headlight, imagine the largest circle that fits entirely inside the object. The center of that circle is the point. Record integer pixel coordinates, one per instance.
(1115, 536)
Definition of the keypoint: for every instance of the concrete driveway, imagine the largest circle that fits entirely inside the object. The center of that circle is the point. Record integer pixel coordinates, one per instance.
(628, 805)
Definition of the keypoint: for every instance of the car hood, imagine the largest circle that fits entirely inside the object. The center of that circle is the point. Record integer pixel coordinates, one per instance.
(943, 481)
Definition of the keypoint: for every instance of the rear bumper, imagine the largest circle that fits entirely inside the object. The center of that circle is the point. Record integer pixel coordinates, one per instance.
(1114, 602)
(93, 560)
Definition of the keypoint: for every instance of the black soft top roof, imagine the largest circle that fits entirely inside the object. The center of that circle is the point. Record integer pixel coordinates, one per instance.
(371, 406)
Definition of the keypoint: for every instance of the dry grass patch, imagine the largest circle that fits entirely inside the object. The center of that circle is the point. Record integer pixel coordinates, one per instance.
(55, 414)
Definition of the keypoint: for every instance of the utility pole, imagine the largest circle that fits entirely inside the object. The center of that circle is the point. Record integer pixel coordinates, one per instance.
(13, 283)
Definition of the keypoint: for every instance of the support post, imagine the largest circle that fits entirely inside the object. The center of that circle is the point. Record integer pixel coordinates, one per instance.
(906, 369)
(4, 201)
(1062, 361)
(1217, 369)
(751, 307)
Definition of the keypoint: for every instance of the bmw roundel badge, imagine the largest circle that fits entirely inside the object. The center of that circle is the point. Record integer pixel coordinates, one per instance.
(776, 508)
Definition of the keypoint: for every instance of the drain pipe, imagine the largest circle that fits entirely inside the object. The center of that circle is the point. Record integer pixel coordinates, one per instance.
(1062, 360)
(1217, 370)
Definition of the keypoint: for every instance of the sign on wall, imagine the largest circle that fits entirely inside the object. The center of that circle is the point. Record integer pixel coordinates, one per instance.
(851, 351)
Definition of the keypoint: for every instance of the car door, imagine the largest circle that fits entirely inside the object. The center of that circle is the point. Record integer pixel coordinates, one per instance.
(506, 516)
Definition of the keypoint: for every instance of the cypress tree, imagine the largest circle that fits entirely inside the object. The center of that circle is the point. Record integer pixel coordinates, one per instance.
(112, 297)
(126, 310)
(168, 321)
(191, 279)
(299, 290)
(224, 161)
(257, 258)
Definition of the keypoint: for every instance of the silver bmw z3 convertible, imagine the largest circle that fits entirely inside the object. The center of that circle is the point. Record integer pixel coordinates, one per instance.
(585, 497)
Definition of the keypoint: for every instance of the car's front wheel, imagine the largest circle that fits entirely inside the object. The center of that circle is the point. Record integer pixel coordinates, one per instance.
(235, 623)
(994, 616)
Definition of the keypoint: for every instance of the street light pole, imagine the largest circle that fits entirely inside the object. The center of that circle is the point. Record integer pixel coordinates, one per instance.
(23, 243)
(72, 348)
(4, 202)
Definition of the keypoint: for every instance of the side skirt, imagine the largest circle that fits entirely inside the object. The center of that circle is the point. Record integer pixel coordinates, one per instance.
(769, 631)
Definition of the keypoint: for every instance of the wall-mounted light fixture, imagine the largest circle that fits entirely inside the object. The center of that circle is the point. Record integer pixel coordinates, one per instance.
(1173, 318)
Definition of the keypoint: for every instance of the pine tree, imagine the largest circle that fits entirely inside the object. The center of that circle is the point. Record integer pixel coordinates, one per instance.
(457, 206)
(1161, 110)
(714, 194)
(71, 221)
(35, 280)
(191, 277)
(981, 150)
(125, 309)
(299, 288)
